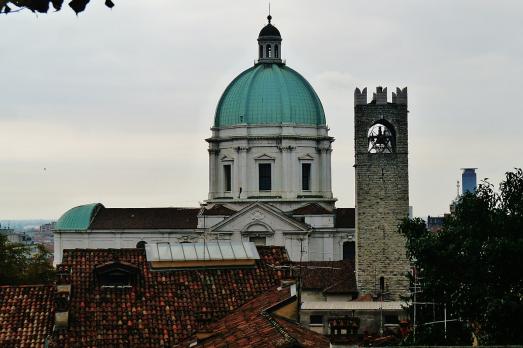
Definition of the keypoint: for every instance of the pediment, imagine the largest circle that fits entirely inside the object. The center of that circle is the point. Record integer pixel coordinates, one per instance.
(257, 217)
(226, 158)
(265, 157)
(307, 156)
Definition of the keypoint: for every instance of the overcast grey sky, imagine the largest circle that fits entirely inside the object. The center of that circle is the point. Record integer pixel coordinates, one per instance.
(115, 104)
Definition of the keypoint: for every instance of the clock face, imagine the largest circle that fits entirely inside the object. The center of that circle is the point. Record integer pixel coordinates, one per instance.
(381, 139)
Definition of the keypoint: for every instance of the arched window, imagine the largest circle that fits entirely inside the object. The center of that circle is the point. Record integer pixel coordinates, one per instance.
(276, 51)
(261, 52)
(268, 50)
(349, 251)
(141, 244)
(382, 138)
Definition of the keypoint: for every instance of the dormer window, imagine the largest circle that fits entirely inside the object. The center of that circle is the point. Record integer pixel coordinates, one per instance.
(116, 274)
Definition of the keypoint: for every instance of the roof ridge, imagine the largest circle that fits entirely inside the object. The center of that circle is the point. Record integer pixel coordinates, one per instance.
(287, 337)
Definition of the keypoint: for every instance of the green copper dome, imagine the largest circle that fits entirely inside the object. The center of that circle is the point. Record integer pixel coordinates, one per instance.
(77, 218)
(269, 94)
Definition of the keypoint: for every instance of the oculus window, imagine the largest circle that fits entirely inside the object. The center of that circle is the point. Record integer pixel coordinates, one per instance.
(264, 177)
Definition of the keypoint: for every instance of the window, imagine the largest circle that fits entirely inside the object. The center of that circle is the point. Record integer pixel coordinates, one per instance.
(305, 176)
(261, 52)
(391, 319)
(116, 274)
(258, 240)
(141, 244)
(227, 177)
(381, 138)
(316, 319)
(264, 176)
(268, 51)
(382, 284)
(349, 251)
(276, 53)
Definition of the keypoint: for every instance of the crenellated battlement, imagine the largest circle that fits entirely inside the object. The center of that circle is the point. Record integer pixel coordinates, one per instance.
(380, 96)
(360, 97)
(400, 97)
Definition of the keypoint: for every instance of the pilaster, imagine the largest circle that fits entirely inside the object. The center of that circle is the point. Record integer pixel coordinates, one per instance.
(242, 168)
(213, 174)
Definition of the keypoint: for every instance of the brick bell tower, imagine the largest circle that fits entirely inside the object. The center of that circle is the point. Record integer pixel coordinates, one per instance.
(382, 192)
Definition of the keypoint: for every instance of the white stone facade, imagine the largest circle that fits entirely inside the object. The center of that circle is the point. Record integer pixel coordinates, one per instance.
(314, 239)
(285, 148)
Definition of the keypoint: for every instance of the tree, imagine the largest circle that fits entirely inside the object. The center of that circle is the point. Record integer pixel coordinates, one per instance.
(19, 266)
(472, 268)
(43, 6)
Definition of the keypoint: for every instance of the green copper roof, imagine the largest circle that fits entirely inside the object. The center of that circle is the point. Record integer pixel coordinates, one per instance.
(269, 94)
(77, 218)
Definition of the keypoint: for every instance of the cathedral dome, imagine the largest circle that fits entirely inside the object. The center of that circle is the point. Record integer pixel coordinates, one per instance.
(269, 93)
(77, 218)
(269, 30)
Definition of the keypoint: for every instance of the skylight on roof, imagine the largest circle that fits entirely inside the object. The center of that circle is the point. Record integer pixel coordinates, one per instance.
(215, 253)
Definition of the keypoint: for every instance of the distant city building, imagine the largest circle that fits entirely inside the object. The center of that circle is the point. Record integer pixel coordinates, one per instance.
(435, 223)
(10, 234)
(468, 180)
(16, 237)
(47, 228)
(6, 231)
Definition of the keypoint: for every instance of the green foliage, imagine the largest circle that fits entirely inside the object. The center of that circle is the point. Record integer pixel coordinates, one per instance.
(473, 265)
(43, 6)
(18, 266)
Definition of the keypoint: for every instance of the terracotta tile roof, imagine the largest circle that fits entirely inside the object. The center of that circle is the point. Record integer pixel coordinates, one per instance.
(26, 315)
(311, 209)
(218, 209)
(345, 218)
(274, 255)
(255, 325)
(145, 218)
(330, 277)
(161, 308)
